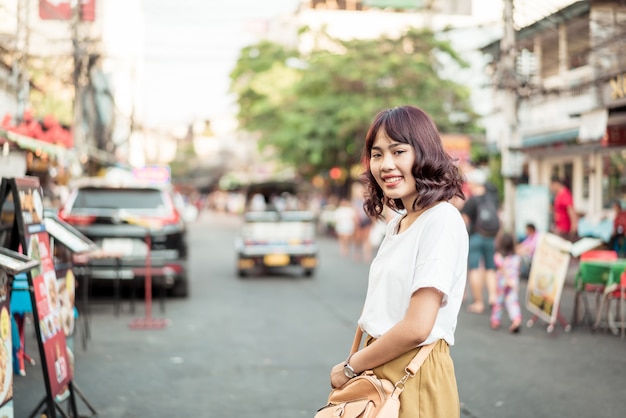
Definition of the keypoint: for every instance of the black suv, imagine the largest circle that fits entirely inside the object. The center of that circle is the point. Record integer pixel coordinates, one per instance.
(121, 219)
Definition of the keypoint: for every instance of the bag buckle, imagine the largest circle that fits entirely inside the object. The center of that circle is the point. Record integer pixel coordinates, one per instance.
(339, 410)
(400, 383)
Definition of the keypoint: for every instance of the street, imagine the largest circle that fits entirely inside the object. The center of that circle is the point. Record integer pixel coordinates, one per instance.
(263, 347)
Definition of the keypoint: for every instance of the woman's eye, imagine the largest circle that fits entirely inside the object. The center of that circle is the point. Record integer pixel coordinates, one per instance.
(399, 151)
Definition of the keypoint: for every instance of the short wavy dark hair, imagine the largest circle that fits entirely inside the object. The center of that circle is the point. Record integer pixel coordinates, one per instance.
(437, 176)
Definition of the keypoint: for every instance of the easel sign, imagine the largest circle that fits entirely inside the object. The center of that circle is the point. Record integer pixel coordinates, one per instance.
(30, 236)
(547, 276)
(11, 263)
(66, 242)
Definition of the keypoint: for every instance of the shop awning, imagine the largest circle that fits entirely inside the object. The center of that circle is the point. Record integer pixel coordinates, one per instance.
(33, 144)
(550, 138)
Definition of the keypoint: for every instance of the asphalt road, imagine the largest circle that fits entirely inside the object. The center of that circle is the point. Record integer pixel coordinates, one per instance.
(263, 347)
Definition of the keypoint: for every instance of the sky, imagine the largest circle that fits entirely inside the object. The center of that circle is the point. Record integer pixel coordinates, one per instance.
(191, 46)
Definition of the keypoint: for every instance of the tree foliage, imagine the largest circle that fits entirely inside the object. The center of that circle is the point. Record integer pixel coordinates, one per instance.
(314, 109)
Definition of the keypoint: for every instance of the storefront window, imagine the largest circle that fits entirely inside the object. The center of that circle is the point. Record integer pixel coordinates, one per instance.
(614, 178)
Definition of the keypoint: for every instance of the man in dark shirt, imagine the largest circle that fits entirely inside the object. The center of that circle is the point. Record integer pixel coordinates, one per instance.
(481, 267)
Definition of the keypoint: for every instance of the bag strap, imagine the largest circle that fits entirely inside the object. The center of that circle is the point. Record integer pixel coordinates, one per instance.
(357, 340)
(413, 365)
(420, 357)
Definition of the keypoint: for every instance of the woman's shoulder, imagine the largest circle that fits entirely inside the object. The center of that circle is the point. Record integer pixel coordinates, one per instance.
(443, 216)
(446, 210)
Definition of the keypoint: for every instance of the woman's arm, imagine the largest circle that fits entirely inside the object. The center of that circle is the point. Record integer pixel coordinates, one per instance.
(407, 334)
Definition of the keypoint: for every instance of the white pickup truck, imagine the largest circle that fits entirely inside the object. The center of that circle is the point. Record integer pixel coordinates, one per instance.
(277, 240)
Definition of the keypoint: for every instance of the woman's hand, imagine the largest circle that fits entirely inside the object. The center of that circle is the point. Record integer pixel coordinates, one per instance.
(337, 377)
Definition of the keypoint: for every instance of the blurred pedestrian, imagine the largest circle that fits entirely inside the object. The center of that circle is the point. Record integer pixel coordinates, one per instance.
(483, 225)
(362, 243)
(617, 241)
(257, 203)
(564, 216)
(526, 249)
(345, 220)
(507, 290)
(417, 278)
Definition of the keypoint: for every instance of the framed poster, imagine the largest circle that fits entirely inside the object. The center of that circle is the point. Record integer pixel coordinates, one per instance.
(532, 205)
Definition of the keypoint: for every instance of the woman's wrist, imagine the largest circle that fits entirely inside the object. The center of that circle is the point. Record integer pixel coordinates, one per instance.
(350, 363)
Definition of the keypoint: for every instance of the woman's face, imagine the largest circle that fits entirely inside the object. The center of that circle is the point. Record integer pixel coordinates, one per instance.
(391, 165)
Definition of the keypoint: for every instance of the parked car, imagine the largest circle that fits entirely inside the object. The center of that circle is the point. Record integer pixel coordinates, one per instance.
(122, 217)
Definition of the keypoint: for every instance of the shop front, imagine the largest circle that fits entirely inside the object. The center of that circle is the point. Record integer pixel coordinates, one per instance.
(591, 158)
(39, 149)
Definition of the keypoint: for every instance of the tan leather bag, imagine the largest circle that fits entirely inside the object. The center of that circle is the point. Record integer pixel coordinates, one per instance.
(366, 395)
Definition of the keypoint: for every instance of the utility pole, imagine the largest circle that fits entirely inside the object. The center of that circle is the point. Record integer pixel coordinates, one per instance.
(507, 84)
(20, 55)
(78, 131)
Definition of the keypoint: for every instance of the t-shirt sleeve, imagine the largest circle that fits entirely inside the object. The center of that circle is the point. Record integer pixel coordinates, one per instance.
(438, 254)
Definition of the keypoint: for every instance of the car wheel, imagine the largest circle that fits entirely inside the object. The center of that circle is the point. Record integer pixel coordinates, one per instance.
(309, 272)
(242, 273)
(181, 288)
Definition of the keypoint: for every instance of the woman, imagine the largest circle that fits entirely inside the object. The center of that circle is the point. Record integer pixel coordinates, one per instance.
(345, 217)
(417, 278)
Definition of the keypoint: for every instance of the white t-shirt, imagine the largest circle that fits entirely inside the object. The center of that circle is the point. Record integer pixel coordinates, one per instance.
(432, 252)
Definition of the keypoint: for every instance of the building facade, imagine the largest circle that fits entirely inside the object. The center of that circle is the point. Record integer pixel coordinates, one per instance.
(571, 106)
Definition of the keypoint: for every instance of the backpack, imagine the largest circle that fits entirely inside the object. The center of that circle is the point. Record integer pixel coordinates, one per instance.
(487, 220)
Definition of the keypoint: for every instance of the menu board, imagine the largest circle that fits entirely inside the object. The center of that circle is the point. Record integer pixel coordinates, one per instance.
(49, 313)
(44, 284)
(21, 209)
(547, 276)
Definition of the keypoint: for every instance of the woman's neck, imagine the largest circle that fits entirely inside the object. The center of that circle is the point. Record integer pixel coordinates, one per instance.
(411, 216)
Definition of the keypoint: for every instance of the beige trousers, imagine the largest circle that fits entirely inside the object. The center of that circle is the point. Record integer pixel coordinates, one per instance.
(432, 392)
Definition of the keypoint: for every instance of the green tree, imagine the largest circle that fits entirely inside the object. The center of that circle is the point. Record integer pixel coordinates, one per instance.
(314, 109)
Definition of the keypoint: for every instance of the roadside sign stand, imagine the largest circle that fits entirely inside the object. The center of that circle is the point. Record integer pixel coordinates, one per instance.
(545, 281)
(28, 235)
(148, 322)
(76, 247)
